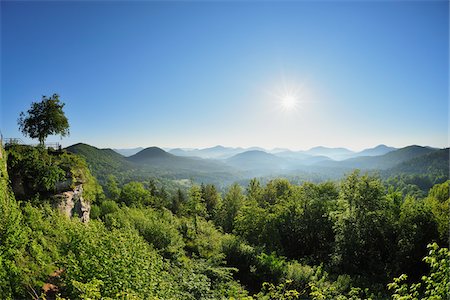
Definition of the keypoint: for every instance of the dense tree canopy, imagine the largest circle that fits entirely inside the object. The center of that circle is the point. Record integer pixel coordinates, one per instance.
(352, 239)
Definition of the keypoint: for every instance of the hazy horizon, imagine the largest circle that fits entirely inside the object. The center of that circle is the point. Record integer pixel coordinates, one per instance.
(254, 146)
(243, 74)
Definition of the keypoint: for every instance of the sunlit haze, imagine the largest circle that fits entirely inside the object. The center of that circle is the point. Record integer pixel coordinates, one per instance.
(290, 74)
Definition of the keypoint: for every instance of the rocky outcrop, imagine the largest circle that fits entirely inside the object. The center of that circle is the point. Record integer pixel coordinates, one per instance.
(39, 175)
(71, 203)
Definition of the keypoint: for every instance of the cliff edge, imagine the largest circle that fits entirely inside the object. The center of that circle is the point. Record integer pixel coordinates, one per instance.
(41, 175)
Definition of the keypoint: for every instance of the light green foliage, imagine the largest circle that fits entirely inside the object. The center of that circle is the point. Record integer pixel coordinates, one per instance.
(439, 201)
(270, 266)
(276, 191)
(232, 203)
(12, 238)
(49, 233)
(44, 118)
(323, 288)
(281, 291)
(135, 194)
(108, 207)
(437, 283)
(202, 238)
(299, 275)
(120, 259)
(250, 222)
(434, 286)
(195, 205)
(158, 228)
(78, 172)
(112, 189)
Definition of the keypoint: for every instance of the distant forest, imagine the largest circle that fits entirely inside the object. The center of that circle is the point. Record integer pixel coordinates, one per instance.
(154, 235)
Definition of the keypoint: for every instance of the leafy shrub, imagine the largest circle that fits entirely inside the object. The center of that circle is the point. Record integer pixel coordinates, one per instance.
(434, 286)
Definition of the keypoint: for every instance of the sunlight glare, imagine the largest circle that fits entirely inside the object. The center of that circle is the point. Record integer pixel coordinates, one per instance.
(289, 96)
(289, 102)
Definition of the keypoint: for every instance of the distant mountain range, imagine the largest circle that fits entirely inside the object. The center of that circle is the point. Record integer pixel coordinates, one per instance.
(222, 152)
(257, 160)
(219, 152)
(128, 151)
(225, 165)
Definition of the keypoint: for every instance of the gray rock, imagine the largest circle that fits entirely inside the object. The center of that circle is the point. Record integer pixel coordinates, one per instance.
(71, 203)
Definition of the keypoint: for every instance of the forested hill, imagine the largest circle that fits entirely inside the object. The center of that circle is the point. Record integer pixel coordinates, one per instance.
(102, 161)
(435, 162)
(154, 162)
(352, 239)
(382, 162)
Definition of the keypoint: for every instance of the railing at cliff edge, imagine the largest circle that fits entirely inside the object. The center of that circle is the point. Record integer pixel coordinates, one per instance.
(18, 141)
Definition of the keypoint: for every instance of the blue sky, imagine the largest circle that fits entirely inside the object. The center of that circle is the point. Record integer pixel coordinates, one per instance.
(198, 74)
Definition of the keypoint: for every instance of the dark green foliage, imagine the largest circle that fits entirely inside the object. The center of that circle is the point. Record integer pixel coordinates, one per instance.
(34, 170)
(433, 164)
(44, 118)
(177, 201)
(305, 224)
(417, 228)
(37, 172)
(102, 162)
(365, 228)
(386, 161)
(211, 198)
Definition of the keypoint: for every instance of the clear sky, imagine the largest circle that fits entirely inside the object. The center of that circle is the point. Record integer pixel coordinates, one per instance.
(195, 74)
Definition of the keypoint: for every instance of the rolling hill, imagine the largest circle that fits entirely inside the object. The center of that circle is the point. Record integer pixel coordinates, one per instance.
(333, 153)
(155, 162)
(151, 154)
(257, 160)
(101, 160)
(128, 151)
(216, 152)
(376, 151)
(436, 163)
(382, 162)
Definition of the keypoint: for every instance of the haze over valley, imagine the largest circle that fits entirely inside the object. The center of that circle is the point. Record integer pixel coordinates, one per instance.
(224, 165)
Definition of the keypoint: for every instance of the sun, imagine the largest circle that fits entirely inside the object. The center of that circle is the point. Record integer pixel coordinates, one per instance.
(289, 102)
(289, 96)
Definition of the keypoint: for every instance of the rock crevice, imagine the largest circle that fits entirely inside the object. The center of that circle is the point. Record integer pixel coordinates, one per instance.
(71, 203)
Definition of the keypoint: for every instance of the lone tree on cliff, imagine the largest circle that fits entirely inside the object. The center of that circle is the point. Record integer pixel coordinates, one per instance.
(43, 119)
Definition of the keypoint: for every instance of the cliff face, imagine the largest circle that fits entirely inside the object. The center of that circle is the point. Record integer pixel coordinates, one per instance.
(58, 178)
(71, 203)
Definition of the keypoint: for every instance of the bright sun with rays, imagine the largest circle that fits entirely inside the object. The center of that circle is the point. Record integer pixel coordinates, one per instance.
(289, 96)
(289, 102)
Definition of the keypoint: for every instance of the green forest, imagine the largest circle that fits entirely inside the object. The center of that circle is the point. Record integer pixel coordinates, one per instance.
(359, 237)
